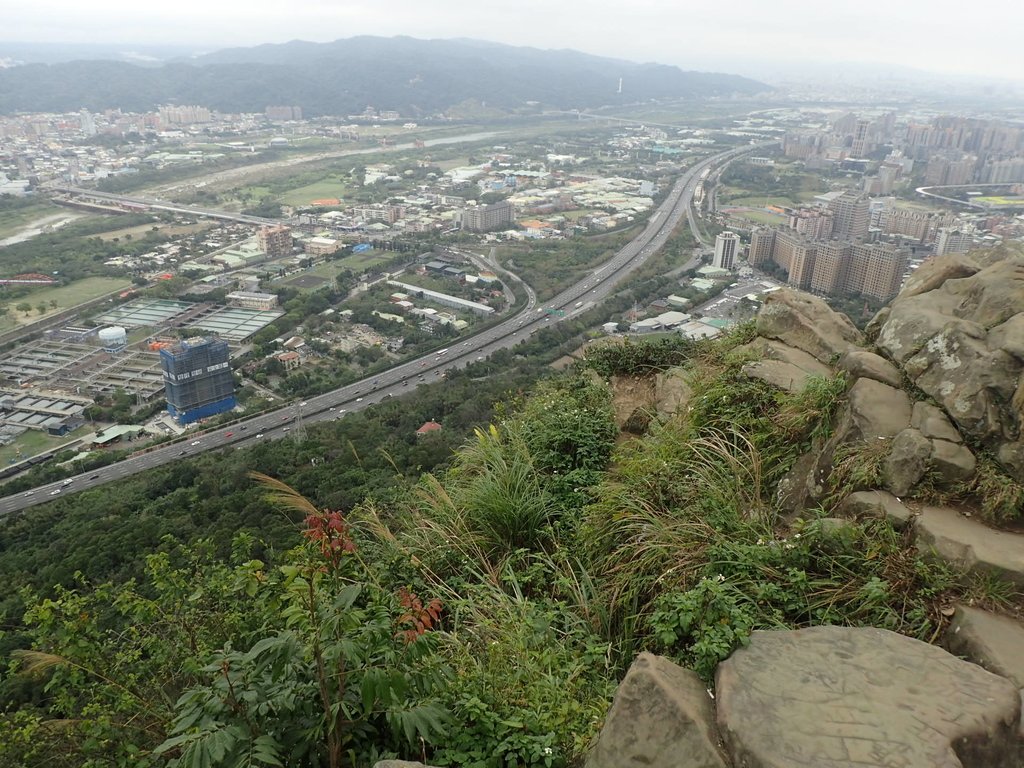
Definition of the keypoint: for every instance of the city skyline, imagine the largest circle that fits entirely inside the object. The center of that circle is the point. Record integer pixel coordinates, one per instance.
(872, 35)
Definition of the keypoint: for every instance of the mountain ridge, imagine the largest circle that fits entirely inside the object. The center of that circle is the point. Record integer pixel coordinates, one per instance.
(414, 77)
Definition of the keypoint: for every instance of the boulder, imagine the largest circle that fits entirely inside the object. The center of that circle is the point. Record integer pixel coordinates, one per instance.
(782, 366)
(950, 536)
(839, 697)
(907, 461)
(661, 717)
(672, 391)
(932, 422)
(934, 272)
(875, 410)
(952, 462)
(808, 323)
(860, 363)
(957, 329)
(995, 642)
(876, 504)
(779, 374)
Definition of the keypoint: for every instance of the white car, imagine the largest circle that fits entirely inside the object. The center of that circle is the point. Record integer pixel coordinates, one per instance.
(359, 399)
(194, 442)
(259, 435)
(55, 491)
(303, 405)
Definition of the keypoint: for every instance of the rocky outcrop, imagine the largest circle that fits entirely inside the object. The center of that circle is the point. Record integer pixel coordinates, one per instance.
(782, 366)
(661, 717)
(957, 329)
(672, 391)
(827, 697)
(824, 697)
(806, 322)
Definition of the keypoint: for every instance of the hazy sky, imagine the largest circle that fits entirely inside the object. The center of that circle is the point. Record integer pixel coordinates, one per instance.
(937, 35)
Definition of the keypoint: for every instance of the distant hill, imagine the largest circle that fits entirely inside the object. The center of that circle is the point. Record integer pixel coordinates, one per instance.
(414, 77)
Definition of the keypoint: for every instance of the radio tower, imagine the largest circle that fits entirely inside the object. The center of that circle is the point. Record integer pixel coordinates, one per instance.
(299, 429)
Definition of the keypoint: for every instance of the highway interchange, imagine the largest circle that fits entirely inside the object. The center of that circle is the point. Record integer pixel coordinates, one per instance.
(396, 381)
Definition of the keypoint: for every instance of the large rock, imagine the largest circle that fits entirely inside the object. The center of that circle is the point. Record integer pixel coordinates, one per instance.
(876, 504)
(808, 323)
(672, 391)
(994, 642)
(661, 718)
(932, 422)
(953, 462)
(874, 410)
(860, 363)
(969, 544)
(957, 328)
(782, 366)
(836, 697)
(907, 461)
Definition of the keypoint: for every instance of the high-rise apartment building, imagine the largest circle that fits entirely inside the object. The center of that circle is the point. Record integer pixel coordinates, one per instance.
(726, 247)
(830, 266)
(851, 214)
(801, 265)
(884, 273)
(197, 379)
(950, 240)
(762, 243)
(484, 218)
(275, 241)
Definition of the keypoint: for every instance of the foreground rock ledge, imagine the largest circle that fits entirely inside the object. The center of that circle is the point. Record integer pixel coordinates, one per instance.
(831, 697)
(661, 718)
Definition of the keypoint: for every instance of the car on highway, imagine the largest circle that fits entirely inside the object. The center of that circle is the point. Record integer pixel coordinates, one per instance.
(68, 481)
(286, 429)
(331, 408)
(229, 434)
(181, 453)
(259, 435)
(359, 399)
(94, 477)
(28, 493)
(55, 491)
(303, 405)
(194, 442)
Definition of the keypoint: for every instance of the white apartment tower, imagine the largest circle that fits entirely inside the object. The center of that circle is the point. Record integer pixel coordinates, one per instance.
(726, 246)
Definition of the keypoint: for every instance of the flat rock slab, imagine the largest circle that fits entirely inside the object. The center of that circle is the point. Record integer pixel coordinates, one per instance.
(839, 697)
(995, 642)
(661, 718)
(876, 504)
(970, 544)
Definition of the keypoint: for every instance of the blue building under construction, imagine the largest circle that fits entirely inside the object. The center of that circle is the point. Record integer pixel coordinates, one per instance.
(197, 379)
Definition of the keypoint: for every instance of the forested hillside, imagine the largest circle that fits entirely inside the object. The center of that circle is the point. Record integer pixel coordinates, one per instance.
(413, 77)
(479, 614)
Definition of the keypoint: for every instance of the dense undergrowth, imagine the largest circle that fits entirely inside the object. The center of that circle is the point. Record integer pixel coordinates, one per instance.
(484, 617)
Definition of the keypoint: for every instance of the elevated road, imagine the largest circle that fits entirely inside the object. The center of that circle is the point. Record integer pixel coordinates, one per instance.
(396, 381)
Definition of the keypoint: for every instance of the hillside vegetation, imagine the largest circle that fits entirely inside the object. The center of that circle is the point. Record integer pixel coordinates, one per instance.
(480, 614)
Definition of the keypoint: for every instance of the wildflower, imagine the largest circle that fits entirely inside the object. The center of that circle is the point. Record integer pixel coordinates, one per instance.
(796, 535)
(721, 578)
(548, 751)
(760, 542)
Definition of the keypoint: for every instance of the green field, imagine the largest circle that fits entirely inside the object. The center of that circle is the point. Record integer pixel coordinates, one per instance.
(758, 202)
(33, 442)
(1000, 200)
(323, 274)
(758, 217)
(320, 190)
(66, 296)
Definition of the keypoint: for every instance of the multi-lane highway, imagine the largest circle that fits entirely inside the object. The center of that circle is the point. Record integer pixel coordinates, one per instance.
(398, 380)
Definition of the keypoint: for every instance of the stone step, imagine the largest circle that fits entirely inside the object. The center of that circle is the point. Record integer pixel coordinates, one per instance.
(995, 642)
(970, 544)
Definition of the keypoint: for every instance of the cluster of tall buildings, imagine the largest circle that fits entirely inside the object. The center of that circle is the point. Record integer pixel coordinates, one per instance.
(955, 150)
(825, 251)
